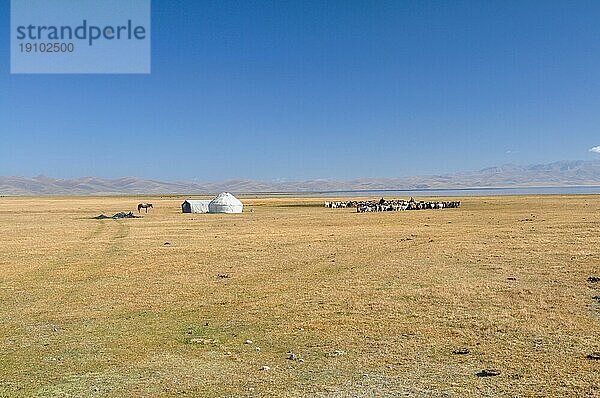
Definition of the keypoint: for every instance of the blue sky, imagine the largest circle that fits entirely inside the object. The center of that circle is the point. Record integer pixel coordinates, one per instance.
(319, 89)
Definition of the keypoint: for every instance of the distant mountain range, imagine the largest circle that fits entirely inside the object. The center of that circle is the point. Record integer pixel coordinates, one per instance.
(570, 173)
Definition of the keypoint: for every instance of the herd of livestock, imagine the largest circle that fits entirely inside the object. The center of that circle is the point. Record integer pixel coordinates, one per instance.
(392, 205)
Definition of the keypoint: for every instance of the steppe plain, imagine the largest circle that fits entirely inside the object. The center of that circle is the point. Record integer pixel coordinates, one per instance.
(333, 303)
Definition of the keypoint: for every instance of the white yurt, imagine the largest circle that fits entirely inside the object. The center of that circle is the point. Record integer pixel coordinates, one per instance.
(195, 206)
(225, 203)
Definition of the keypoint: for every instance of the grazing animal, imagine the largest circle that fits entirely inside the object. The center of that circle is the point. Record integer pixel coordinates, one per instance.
(144, 206)
(392, 205)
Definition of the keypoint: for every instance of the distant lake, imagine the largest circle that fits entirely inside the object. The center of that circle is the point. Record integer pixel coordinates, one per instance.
(581, 190)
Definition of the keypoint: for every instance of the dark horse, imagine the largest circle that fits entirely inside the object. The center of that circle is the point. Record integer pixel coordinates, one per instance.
(144, 206)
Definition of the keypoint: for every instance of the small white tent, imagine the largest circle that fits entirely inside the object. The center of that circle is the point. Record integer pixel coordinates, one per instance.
(195, 206)
(225, 203)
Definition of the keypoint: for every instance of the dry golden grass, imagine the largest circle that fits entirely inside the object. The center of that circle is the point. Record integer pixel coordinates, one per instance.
(105, 308)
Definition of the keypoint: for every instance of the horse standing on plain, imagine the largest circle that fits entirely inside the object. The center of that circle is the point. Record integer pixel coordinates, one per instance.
(144, 206)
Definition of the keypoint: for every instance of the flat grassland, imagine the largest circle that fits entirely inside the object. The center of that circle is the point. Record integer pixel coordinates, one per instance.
(371, 304)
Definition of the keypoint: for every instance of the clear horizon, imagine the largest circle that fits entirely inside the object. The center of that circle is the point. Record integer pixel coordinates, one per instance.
(283, 180)
(319, 90)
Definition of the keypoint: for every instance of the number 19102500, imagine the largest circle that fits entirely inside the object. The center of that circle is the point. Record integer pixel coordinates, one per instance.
(47, 47)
